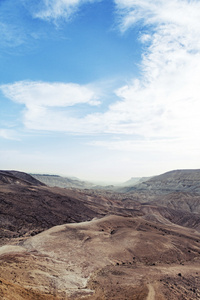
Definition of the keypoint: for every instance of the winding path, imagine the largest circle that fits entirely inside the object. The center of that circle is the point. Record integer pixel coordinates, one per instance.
(151, 295)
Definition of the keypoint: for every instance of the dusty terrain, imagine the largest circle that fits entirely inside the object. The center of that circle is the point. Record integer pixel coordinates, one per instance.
(85, 244)
(113, 257)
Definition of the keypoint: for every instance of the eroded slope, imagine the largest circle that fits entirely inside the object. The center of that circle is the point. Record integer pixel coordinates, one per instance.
(110, 258)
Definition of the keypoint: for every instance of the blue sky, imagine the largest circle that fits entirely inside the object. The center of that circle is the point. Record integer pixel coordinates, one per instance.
(99, 89)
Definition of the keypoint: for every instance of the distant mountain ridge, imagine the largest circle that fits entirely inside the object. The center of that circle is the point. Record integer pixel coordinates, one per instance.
(74, 182)
(135, 180)
(172, 181)
(63, 182)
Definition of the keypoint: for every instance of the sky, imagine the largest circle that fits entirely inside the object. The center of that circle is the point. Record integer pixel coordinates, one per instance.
(103, 90)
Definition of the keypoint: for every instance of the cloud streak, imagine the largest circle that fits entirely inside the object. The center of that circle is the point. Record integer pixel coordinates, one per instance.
(49, 10)
(16, 32)
(10, 35)
(47, 94)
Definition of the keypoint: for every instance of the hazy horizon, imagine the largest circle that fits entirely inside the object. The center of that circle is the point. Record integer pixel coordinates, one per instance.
(103, 181)
(98, 89)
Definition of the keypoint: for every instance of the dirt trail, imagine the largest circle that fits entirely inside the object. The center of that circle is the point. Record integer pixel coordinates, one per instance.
(151, 295)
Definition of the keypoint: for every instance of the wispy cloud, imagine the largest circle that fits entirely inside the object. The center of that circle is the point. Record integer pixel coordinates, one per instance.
(164, 102)
(8, 134)
(17, 30)
(10, 35)
(158, 12)
(58, 9)
(47, 94)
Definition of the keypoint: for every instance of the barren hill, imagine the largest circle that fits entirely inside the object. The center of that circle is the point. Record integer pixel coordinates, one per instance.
(144, 244)
(178, 180)
(109, 258)
(28, 209)
(20, 178)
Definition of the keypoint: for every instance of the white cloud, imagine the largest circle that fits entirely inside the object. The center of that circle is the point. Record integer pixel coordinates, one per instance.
(158, 12)
(44, 103)
(8, 134)
(11, 35)
(44, 94)
(54, 10)
(164, 103)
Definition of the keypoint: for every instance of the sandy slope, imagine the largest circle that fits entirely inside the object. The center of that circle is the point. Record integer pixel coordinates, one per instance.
(110, 258)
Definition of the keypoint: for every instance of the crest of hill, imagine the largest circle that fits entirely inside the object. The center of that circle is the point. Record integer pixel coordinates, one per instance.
(20, 178)
(173, 181)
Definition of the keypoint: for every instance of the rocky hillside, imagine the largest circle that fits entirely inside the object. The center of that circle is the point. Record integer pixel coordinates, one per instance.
(142, 245)
(115, 258)
(20, 178)
(173, 181)
(28, 208)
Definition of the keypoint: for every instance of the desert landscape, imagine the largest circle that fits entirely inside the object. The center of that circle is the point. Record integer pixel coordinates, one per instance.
(100, 150)
(131, 242)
